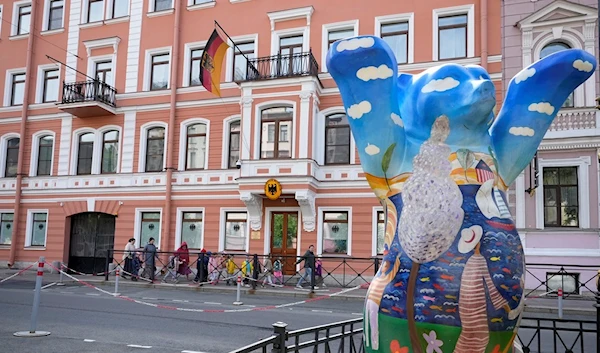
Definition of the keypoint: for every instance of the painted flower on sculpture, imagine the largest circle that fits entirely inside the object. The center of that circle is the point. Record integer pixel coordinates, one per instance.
(433, 344)
(395, 347)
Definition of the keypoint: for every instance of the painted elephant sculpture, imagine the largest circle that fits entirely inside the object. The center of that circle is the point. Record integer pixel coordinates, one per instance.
(441, 162)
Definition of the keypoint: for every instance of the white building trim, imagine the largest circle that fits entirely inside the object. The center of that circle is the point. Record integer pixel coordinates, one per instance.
(73, 40)
(396, 18)
(3, 145)
(137, 232)
(520, 210)
(144, 143)
(15, 17)
(320, 224)
(223, 222)
(29, 228)
(225, 152)
(292, 14)
(35, 150)
(8, 83)
(468, 10)
(183, 141)
(374, 222)
(148, 65)
(351, 24)
(277, 35)
(46, 18)
(229, 55)
(319, 136)
(187, 57)
(179, 224)
(39, 87)
(257, 124)
(583, 183)
(64, 151)
(97, 149)
(128, 143)
(133, 45)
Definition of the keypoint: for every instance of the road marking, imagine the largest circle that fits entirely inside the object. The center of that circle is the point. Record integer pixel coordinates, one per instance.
(322, 311)
(93, 294)
(359, 314)
(138, 346)
(49, 285)
(67, 292)
(147, 298)
(192, 352)
(250, 306)
(87, 340)
(180, 301)
(213, 303)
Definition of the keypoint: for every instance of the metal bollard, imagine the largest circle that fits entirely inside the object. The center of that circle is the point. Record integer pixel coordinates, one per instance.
(36, 304)
(560, 303)
(117, 282)
(238, 300)
(60, 278)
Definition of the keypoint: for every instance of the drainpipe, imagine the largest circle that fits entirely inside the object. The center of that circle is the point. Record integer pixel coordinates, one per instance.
(484, 34)
(28, 81)
(171, 128)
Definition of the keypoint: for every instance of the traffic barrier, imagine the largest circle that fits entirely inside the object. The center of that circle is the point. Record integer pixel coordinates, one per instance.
(238, 300)
(117, 282)
(560, 303)
(168, 307)
(18, 273)
(36, 305)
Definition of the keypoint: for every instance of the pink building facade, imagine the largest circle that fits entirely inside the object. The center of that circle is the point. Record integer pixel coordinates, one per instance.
(559, 220)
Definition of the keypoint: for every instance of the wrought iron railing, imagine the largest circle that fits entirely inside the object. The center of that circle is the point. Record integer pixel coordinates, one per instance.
(558, 336)
(342, 337)
(89, 91)
(281, 66)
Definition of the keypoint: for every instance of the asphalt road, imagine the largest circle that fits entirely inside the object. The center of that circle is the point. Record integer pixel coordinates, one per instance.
(84, 320)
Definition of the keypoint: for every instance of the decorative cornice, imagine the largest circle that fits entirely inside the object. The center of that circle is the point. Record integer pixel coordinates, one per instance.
(291, 14)
(306, 201)
(101, 43)
(254, 205)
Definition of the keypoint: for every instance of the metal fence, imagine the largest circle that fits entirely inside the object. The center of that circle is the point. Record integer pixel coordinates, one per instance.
(89, 91)
(278, 66)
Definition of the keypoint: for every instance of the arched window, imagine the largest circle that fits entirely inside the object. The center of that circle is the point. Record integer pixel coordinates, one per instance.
(337, 139)
(234, 144)
(44, 158)
(85, 154)
(195, 154)
(276, 133)
(552, 48)
(12, 157)
(155, 149)
(110, 152)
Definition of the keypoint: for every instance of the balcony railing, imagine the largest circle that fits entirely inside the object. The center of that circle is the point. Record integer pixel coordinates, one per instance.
(89, 91)
(281, 66)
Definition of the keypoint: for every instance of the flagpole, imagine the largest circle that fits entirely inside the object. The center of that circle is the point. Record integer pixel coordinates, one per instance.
(234, 45)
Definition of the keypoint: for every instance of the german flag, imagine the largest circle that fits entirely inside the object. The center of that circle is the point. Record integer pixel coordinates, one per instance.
(212, 63)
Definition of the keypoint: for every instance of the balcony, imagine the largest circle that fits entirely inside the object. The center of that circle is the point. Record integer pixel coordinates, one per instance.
(88, 99)
(281, 66)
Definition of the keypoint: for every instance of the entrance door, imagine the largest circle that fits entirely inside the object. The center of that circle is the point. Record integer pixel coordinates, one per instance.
(92, 235)
(290, 51)
(284, 235)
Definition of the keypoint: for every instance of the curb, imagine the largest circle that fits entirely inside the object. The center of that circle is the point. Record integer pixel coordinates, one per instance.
(566, 311)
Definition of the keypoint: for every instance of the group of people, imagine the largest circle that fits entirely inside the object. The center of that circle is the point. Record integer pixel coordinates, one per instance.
(212, 268)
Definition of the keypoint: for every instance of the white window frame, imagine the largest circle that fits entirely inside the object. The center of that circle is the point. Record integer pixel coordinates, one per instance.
(29, 229)
(144, 144)
(396, 18)
(3, 145)
(187, 56)
(8, 83)
(583, 183)
(223, 221)
(1, 16)
(97, 150)
(269, 216)
(320, 224)
(35, 150)
(319, 136)
(14, 31)
(109, 10)
(179, 224)
(276, 36)
(374, 222)
(7, 211)
(148, 64)
(84, 12)
(226, 127)
(137, 234)
(352, 24)
(468, 10)
(47, 16)
(93, 60)
(183, 141)
(39, 90)
(573, 39)
(257, 124)
(230, 51)
(151, 6)
(207, 4)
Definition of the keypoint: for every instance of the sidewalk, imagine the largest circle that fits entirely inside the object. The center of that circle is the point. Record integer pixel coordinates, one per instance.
(573, 305)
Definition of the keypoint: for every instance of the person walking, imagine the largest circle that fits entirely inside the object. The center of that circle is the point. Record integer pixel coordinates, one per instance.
(309, 265)
(183, 253)
(150, 259)
(268, 271)
(128, 259)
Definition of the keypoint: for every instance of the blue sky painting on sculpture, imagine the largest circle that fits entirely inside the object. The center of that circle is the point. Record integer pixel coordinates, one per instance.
(394, 113)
